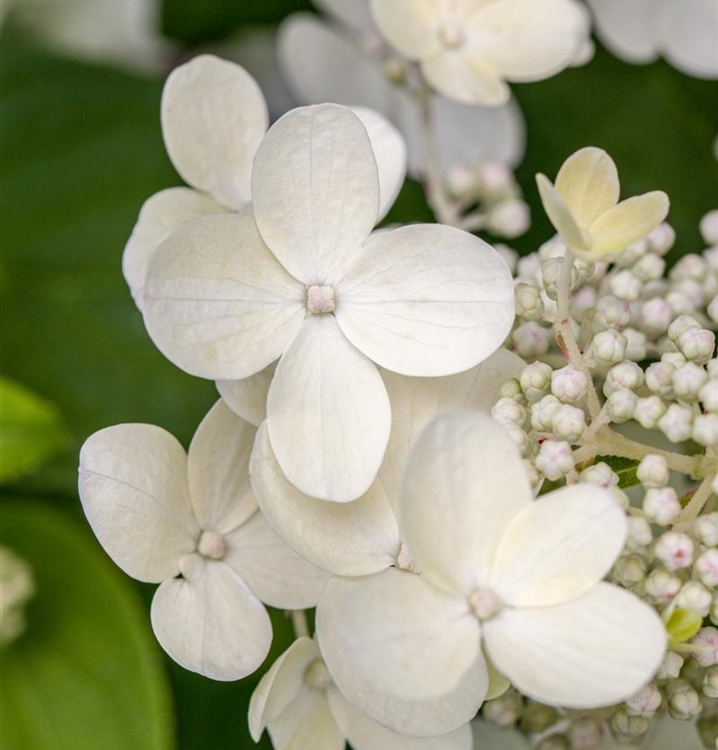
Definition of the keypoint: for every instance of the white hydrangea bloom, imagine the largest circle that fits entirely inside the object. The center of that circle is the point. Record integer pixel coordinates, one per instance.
(498, 570)
(342, 58)
(683, 31)
(583, 206)
(468, 50)
(300, 706)
(302, 279)
(190, 523)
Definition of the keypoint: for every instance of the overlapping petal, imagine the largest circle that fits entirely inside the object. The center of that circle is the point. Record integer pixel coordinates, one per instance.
(561, 217)
(213, 119)
(466, 76)
(247, 398)
(688, 31)
(590, 652)
(626, 28)
(211, 622)
(133, 487)
(328, 414)
(409, 25)
(426, 300)
(307, 722)
(217, 302)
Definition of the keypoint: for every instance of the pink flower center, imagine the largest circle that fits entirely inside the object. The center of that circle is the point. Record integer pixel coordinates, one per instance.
(485, 604)
(320, 299)
(212, 545)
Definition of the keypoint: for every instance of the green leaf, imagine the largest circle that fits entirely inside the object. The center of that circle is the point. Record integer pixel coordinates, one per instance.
(86, 672)
(624, 467)
(30, 430)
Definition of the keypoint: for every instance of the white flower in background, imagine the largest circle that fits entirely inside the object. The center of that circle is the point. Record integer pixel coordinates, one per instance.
(522, 578)
(214, 117)
(469, 50)
(17, 587)
(226, 295)
(120, 32)
(299, 705)
(683, 31)
(344, 59)
(190, 523)
(583, 207)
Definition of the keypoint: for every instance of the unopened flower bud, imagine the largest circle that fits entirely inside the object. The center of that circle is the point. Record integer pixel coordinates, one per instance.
(568, 423)
(509, 411)
(511, 389)
(537, 717)
(709, 227)
(462, 181)
(706, 529)
(656, 315)
(569, 384)
(649, 267)
(495, 178)
(648, 411)
(535, 380)
(710, 682)
(695, 597)
(542, 412)
(709, 395)
(674, 358)
(690, 266)
(609, 347)
(531, 340)
(554, 459)
(528, 267)
(622, 405)
(645, 702)
(628, 570)
(661, 239)
(660, 504)
(670, 666)
(653, 471)
(684, 702)
(680, 325)
(705, 644)
(612, 312)
(636, 344)
(628, 726)
(688, 381)
(662, 586)
(529, 304)
(712, 309)
(626, 285)
(677, 423)
(509, 218)
(551, 274)
(674, 549)
(623, 375)
(600, 475)
(659, 378)
(503, 711)
(705, 429)
(639, 533)
(585, 734)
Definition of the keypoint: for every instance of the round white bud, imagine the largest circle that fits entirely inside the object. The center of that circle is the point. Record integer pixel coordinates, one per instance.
(697, 344)
(662, 586)
(705, 429)
(659, 378)
(542, 412)
(531, 340)
(495, 178)
(712, 368)
(612, 312)
(670, 666)
(509, 218)
(569, 384)
(508, 411)
(511, 389)
(650, 267)
(674, 358)
(585, 734)
(636, 344)
(684, 703)
(680, 325)
(551, 274)
(661, 239)
(674, 549)
(710, 682)
(706, 529)
(681, 302)
(655, 316)
(653, 471)
(712, 309)
(568, 423)
(625, 374)
(609, 347)
(677, 423)
(600, 475)
(639, 533)
(645, 702)
(554, 459)
(688, 381)
(695, 597)
(660, 504)
(629, 570)
(709, 227)
(706, 567)
(628, 726)
(631, 254)
(529, 304)
(626, 285)
(528, 267)
(621, 405)
(584, 299)
(648, 411)
(706, 639)
(503, 711)
(709, 395)
(462, 180)
(535, 380)
(690, 266)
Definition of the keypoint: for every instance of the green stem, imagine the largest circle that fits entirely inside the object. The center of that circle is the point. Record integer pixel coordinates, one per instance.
(299, 623)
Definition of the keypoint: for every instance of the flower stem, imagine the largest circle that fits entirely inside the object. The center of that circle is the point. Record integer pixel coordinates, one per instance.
(696, 503)
(299, 623)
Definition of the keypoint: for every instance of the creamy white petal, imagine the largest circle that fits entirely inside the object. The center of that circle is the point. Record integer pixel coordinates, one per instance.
(247, 398)
(490, 737)
(328, 414)
(405, 638)
(217, 302)
(427, 299)
(218, 470)
(133, 488)
(390, 151)
(315, 189)
(466, 76)
(354, 538)
(588, 184)
(528, 40)
(416, 401)
(559, 547)
(280, 685)
(364, 734)
(561, 217)
(353, 13)
(590, 652)
(627, 28)
(688, 31)
(159, 216)
(212, 624)
(213, 118)
(409, 25)
(307, 722)
(464, 484)
(422, 718)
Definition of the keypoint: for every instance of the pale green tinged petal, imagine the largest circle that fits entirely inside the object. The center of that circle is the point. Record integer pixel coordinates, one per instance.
(328, 414)
(466, 76)
(213, 119)
(409, 25)
(593, 651)
(247, 398)
(559, 547)
(426, 300)
(212, 624)
(308, 722)
(133, 488)
(406, 638)
(354, 538)
(159, 216)
(588, 183)
(315, 189)
(560, 215)
(217, 302)
(431, 717)
(498, 684)
(631, 220)
(464, 484)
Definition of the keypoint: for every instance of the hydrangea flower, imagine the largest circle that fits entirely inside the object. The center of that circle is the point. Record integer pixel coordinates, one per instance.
(214, 117)
(300, 706)
(470, 49)
(190, 523)
(583, 206)
(518, 577)
(639, 31)
(342, 58)
(303, 281)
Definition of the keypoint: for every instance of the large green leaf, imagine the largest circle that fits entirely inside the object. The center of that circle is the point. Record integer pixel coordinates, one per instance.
(86, 672)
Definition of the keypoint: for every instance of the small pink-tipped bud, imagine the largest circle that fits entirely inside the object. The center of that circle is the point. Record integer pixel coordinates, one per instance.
(684, 702)
(662, 586)
(653, 471)
(706, 647)
(677, 423)
(661, 505)
(674, 550)
(706, 567)
(569, 384)
(694, 596)
(555, 459)
(212, 545)
(706, 529)
(645, 702)
(320, 299)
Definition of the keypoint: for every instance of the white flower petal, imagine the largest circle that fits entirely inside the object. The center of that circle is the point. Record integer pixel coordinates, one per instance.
(328, 414)
(594, 651)
(247, 398)
(307, 722)
(213, 118)
(561, 217)
(390, 152)
(281, 685)
(354, 538)
(688, 32)
(422, 718)
(409, 25)
(354, 14)
(315, 187)
(212, 624)
(405, 638)
(217, 303)
(528, 40)
(416, 401)
(218, 470)
(427, 299)
(364, 734)
(159, 216)
(466, 76)
(133, 487)
(559, 547)
(464, 485)
(626, 28)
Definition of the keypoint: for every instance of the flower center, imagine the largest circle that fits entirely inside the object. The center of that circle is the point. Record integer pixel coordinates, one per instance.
(451, 35)
(317, 675)
(485, 604)
(404, 560)
(320, 299)
(212, 545)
